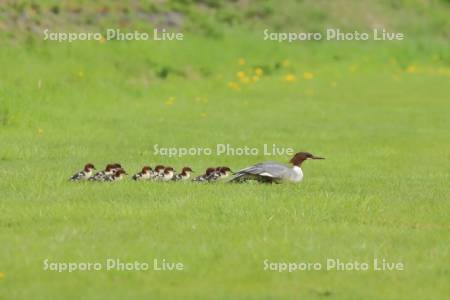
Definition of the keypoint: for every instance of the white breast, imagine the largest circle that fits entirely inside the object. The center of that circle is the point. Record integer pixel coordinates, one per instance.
(168, 176)
(297, 174)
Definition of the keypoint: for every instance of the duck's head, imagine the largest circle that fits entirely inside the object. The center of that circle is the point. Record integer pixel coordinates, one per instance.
(300, 157)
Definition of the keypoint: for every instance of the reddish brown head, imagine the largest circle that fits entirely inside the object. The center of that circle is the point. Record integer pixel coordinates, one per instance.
(109, 167)
(224, 170)
(113, 166)
(167, 170)
(89, 167)
(159, 168)
(186, 170)
(301, 157)
(209, 171)
(120, 172)
(146, 169)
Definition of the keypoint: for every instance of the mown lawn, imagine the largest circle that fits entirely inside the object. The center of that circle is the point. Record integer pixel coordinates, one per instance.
(379, 113)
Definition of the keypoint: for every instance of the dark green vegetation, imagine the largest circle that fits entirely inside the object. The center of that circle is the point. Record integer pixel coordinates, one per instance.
(213, 18)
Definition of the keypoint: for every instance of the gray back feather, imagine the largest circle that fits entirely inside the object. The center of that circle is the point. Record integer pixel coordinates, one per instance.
(277, 170)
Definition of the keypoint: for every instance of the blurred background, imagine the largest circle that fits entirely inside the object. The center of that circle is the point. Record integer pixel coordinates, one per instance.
(212, 18)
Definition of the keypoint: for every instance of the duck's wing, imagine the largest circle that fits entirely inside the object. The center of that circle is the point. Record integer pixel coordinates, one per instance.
(77, 176)
(267, 169)
(99, 175)
(201, 178)
(213, 176)
(265, 172)
(108, 178)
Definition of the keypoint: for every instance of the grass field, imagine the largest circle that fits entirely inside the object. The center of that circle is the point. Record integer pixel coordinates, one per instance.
(379, 113)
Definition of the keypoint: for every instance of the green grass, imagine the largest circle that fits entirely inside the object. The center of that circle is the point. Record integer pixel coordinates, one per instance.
(377, 112)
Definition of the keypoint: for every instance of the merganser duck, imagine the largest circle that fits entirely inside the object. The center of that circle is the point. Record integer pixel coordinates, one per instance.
(86, 173)
(204, 177)
(158, 172)
(213, 175)
(167, 175)
(224, 172)
(270, 172)
(145, 174)
(110, 169)
(184, 175)
(117, 176)
(220, 173)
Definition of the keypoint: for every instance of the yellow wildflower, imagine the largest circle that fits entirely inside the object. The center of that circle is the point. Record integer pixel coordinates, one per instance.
(411, 69)
(40, 131)
(259, 72)
(2, 275)
(169, 101)
(240, 74)
(255, 78)
(289, 77)
(308, 75)
(245, 80)
(234, 86)
(241, 61)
